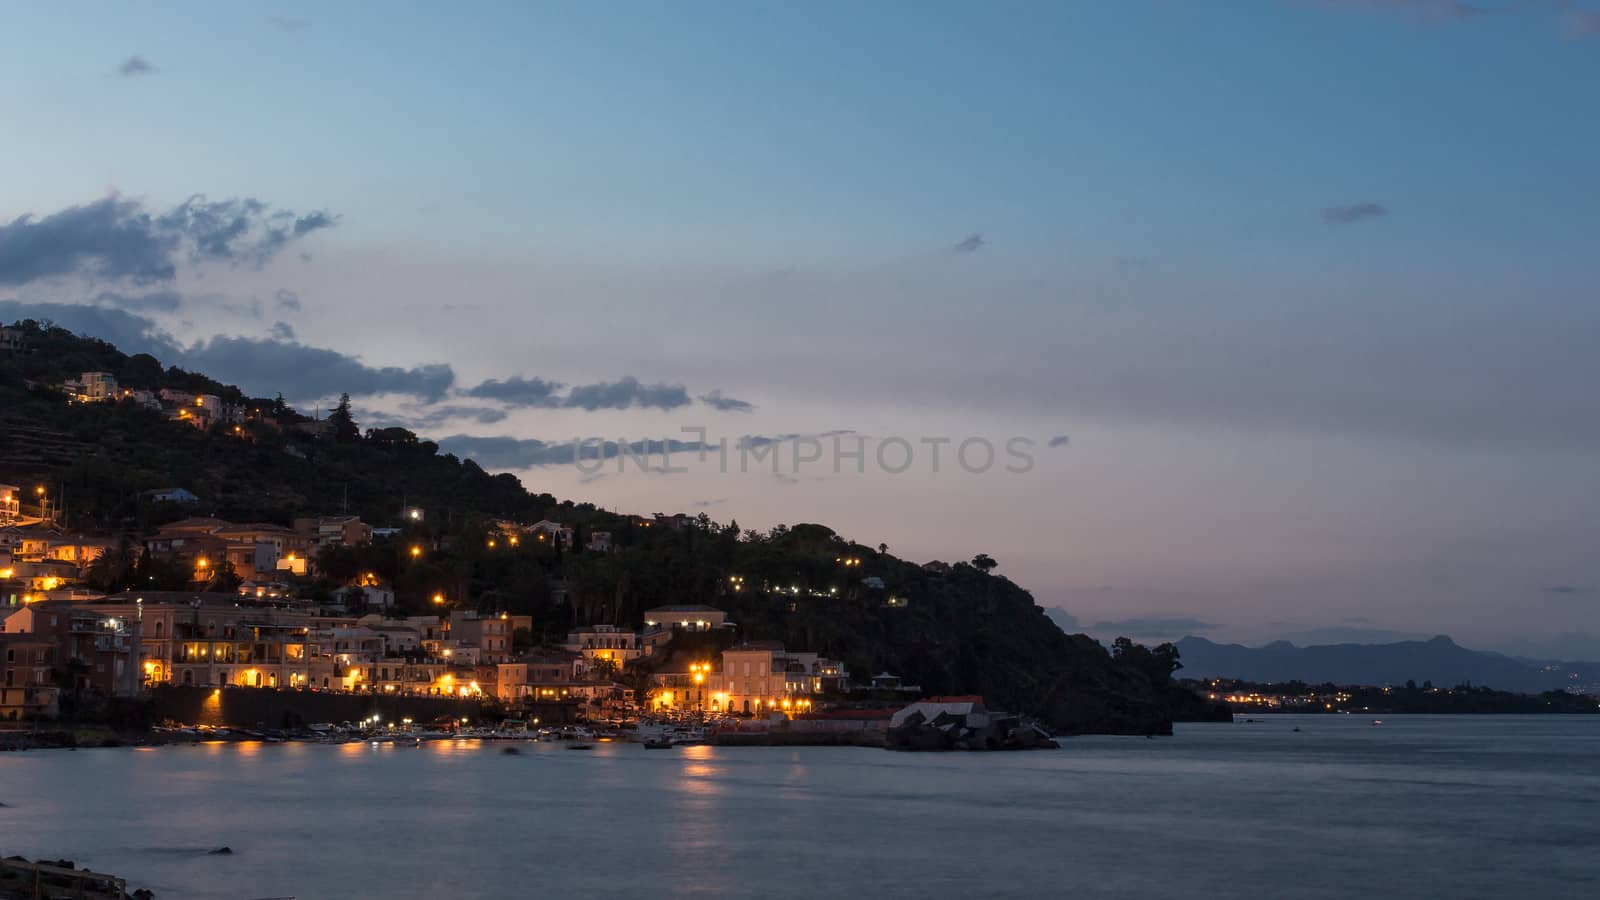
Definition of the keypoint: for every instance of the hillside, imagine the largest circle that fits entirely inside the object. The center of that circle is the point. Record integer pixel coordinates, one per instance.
(1440, 661)
(962, 629)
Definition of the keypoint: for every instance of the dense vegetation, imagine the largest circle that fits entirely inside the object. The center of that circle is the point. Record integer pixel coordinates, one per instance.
(951, 628)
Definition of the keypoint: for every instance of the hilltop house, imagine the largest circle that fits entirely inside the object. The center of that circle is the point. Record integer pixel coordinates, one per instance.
(171, 495)
(10, 503)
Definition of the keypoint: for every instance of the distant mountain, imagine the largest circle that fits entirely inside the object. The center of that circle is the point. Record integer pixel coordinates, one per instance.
(1439, 660)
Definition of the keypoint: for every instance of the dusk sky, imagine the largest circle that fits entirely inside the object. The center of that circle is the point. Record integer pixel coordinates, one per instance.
(1294, 300)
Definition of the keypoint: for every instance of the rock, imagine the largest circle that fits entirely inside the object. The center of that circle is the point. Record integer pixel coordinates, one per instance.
(221, 851)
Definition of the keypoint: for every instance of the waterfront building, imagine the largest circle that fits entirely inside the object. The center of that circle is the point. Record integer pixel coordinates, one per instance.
(609, 642)
(26, 689)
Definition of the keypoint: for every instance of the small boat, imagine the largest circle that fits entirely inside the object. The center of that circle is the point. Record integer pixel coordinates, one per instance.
(658, 744)
(1376, 722)
(577, 746)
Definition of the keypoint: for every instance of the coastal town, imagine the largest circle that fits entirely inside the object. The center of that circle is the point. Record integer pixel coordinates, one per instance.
(246, 607)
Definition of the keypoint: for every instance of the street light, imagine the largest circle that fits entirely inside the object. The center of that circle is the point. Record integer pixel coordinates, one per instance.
(416, 550)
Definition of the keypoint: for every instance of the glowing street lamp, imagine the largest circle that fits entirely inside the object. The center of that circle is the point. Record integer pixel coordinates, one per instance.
(416, 551)
(438, 599)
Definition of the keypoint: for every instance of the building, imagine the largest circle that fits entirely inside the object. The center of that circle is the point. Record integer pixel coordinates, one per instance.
(599, 541)
(95, 650)
(541, 675)
(12, 341)
(609, 642)
(10, 504)
(759, 677)
(27, 691)
(98, 386)
(662, 622)
(489, 635)
(332, 531)
(546, 531)
(171, 495)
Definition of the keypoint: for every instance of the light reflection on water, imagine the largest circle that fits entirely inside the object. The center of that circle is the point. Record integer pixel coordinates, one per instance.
(1422, 808)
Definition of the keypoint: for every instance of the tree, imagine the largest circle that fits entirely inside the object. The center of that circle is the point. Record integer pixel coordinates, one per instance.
(344, 424)
(1157, 665)
(984, 563)
(603, 668)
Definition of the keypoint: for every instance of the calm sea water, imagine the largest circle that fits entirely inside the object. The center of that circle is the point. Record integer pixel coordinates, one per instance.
(1421, 807)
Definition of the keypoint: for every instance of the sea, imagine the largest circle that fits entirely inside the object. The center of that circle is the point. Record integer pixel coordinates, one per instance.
(1280, 807)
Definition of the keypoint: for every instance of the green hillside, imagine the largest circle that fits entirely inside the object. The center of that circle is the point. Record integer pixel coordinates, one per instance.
(952, 629)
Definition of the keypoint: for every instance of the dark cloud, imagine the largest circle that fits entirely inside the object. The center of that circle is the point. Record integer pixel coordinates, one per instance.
(134, 66)
(287, 299)
(110, 238)
(312, 222)
(1155, 627)
(1566, 589)
(1584, 24)
(972, 243)
(288, 24)
(282, 331)
(301, 372)
(1059, 440)
(626, 393)
(725, 404)
(115, 238)
(527, 453)
(427, 417)
(1357, 212)
(705, 504)
(518, 391)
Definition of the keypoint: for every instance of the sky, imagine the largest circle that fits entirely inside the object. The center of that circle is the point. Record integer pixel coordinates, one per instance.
(1255, 319)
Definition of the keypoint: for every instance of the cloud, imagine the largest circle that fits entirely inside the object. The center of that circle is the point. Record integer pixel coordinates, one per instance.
(1064, 620)
(1059, 440)
(972, 243)
(287, 299)
(706, 504)
(310, 222)
(302, 372)
(134, 66)
(288, 24)
(1349, 215)
(725, 404)
(503, 452)
(1153, 627)
(626, 393)
(281, 331)
(114, 238)
(155, 301)
(518, 391)
(424, 418)
(1567, 589)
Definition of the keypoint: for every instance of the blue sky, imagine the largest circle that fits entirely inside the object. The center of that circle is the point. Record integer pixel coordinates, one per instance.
(1309, 284)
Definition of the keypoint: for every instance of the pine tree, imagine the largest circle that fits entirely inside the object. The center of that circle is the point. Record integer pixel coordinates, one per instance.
(344, 424)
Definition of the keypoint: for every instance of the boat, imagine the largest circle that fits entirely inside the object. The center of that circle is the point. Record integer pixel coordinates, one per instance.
(658, 744)
(580, 746)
